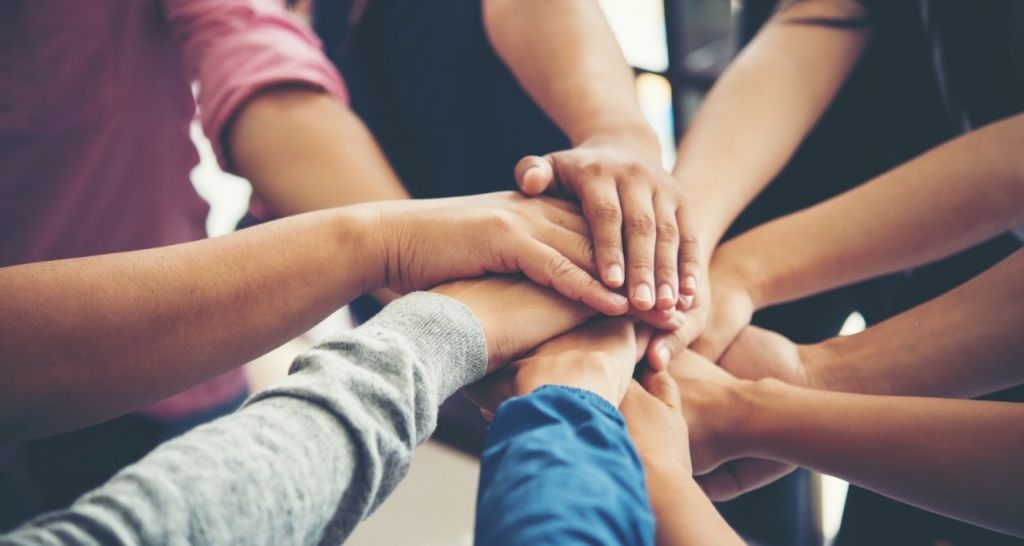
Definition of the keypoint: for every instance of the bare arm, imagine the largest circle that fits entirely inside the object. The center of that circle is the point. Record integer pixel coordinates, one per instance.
(566, 57)
(760, 110)
(88, 339)
(746, 130)
(955, 457)
(954, 196)
(303, 151)
(963, 344)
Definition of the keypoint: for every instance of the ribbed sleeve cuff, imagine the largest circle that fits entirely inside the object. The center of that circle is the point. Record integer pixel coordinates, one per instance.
(448, 338)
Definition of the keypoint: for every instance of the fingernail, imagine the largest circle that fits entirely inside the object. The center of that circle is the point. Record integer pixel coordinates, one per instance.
(687, 301)
(664, 354)
(642, 294)
(665, 293)
(690, 282)
(615, 274)
(619, 299)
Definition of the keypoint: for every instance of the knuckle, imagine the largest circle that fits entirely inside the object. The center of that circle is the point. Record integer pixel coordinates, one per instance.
(607, 212)
(667, 272)
(594, 169)
(641, 224)
(667, 230)
(640, 268)
(634, 169)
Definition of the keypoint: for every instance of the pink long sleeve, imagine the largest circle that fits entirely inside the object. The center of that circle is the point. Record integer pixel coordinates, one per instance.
(235, 48)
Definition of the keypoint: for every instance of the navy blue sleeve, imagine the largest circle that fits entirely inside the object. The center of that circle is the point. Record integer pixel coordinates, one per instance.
(559, 468)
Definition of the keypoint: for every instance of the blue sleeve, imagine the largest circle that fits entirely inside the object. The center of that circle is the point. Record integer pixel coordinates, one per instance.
(559, 468)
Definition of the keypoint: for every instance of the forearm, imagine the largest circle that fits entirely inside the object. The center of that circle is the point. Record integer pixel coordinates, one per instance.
(683, 513)
(760, 110)
(301, 463)
(565, 56)
(963, 344)
(88, 339)
(955, 457)
(302, 150)
(957, 195)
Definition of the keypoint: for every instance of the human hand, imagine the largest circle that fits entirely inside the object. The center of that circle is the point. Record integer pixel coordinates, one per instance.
(427, 242)
(598, 356)
(714, 404)
(654, 417)
(516, 313)
(620, 187)
(719, 313)
(758, 353)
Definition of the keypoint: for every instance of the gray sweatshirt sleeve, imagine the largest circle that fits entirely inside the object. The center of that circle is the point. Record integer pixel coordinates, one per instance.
(300, 463)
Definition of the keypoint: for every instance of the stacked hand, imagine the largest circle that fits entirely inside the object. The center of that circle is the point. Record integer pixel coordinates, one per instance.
(598, 356)
(714, 404)
(644, 239)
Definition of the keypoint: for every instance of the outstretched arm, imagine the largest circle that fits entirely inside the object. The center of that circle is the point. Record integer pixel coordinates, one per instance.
(962, 344)
(955, 457)
(88, 339)
(750, 124)
(959, 194)
(566, 57)
(308, 459)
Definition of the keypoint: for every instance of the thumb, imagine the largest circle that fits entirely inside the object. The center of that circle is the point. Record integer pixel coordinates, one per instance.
(534, 175)
(662, 386)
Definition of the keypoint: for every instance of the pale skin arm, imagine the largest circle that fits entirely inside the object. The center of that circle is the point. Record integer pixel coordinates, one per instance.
(565, 56)
(962, 344)
(85, 340)
(955, 457)
(751, 123)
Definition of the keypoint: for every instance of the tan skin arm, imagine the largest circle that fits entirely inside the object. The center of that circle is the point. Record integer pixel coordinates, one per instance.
(751, 123)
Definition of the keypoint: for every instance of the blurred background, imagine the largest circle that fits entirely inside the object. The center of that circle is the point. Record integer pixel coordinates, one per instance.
(678, 48)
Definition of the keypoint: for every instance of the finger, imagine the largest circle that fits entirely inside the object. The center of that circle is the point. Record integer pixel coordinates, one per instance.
(601, 207)
(535, 175)
(579, 249)
(640, 239)
(562, 213)
(666, 253)
(486, 415)
(662, 320)
(644, 334)
(667, 345)
(734, 478)
(546, 267)
(562, 204)
(663, 387)
(689, 257)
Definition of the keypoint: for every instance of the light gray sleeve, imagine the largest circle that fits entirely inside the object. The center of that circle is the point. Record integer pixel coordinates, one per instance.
(300, 463)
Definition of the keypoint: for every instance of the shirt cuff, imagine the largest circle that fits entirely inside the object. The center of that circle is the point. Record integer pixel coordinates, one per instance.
(448, 338)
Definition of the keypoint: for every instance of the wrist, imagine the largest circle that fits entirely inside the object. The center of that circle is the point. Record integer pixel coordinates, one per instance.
(749, 417)
(664, 469)
(740, 269)
(832, 366)
(365, 229)
(594, 374)
(636, 135)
